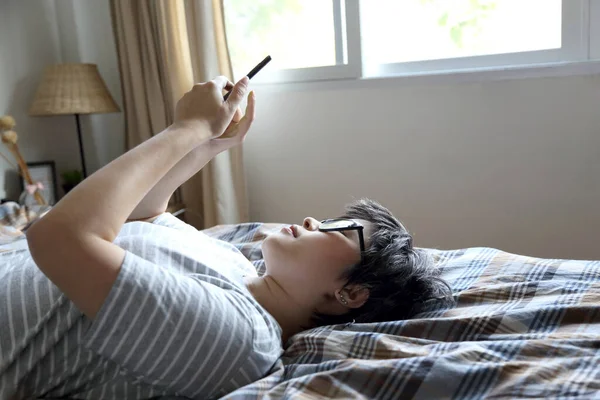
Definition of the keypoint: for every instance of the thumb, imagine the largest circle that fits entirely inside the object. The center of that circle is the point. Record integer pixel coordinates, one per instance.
(237, 94)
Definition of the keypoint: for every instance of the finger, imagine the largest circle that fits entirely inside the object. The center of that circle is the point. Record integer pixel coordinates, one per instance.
(237, 94)
(243, 126)
(251, 106)
(246, 122)
(227, 89)
(221, 82)
(237, 116)
(232, 129)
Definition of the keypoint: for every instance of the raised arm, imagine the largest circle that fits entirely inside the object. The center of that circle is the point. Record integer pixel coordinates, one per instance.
(157, 199)
(72, 244)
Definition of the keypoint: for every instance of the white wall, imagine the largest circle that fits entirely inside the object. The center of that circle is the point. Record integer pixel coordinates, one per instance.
(508, 164)
(36, 33)
(86, 35)
(29, 41)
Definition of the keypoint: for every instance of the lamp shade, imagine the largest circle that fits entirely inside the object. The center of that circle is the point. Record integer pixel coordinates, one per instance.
(72, 89)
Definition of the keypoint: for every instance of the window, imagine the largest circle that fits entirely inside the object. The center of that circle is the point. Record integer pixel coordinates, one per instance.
(451, 29)
(329, 39)
(463, 34)
(279, 28)
(306, 38)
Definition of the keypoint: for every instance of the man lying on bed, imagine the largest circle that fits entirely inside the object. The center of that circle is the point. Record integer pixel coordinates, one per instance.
(142, 309)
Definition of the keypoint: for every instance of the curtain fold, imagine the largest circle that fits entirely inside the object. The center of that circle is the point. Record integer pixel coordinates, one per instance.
(164, 47)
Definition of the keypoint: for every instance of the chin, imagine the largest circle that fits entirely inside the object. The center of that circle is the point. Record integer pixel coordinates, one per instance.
(268, 247)
(274, 241)
(268, 243)
(273, 251)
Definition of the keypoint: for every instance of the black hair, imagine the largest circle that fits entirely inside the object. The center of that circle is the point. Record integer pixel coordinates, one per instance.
(402, 280)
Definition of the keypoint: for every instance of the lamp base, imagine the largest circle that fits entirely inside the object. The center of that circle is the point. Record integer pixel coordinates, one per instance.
(81, 152)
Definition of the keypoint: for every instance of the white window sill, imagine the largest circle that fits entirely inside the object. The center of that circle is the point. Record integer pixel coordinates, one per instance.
(444, 77)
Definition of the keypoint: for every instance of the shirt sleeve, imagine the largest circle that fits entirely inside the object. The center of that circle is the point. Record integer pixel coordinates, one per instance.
(173, 331)
(170, 221)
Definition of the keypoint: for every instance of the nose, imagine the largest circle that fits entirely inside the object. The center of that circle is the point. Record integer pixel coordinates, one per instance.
(310, 224)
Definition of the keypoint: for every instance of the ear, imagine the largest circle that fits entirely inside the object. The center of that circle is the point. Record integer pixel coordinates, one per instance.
(355, 296)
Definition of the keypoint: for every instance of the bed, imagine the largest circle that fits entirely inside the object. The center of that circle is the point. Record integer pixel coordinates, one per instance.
(522, 327)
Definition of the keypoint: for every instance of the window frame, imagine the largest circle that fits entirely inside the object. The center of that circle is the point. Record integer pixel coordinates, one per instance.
(594, 32)
(352, 69)
(580, 46)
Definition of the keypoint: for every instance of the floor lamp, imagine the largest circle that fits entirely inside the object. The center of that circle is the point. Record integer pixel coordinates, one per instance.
(73, 89)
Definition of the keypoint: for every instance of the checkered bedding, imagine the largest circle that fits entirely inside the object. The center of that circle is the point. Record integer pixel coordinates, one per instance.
(523, 327)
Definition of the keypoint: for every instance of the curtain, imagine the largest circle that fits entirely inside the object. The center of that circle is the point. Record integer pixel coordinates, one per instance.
(163, 47)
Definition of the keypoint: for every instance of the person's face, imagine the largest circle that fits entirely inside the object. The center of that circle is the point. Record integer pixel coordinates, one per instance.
(310, 264)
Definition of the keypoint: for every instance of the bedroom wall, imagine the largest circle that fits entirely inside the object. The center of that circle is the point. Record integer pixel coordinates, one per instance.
(36, 33)
(512, 164)
(86, 35)
(29, 41)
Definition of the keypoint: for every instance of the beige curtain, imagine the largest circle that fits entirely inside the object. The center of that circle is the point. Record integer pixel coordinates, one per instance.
(164, 46)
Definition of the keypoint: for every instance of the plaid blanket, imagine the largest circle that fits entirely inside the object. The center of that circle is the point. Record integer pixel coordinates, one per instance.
(522, 328)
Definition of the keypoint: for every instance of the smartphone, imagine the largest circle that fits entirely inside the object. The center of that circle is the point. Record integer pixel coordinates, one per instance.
(253, 72)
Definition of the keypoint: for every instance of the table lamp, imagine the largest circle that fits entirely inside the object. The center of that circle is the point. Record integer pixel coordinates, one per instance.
(73, 89)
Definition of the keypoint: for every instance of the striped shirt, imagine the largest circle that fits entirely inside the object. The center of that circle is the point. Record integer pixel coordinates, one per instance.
(177, 321)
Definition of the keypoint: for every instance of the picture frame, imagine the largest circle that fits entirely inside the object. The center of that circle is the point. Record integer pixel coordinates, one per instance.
(44, 172)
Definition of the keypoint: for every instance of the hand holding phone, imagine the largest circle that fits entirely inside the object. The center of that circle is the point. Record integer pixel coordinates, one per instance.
(253, 72)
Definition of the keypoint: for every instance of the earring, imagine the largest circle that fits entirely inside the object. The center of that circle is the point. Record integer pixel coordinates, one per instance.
(343, 300)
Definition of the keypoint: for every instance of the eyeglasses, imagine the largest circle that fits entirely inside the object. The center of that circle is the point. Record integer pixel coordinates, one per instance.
(341, 224)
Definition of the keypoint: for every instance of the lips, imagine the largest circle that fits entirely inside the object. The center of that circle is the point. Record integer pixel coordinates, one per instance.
(290, 230)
